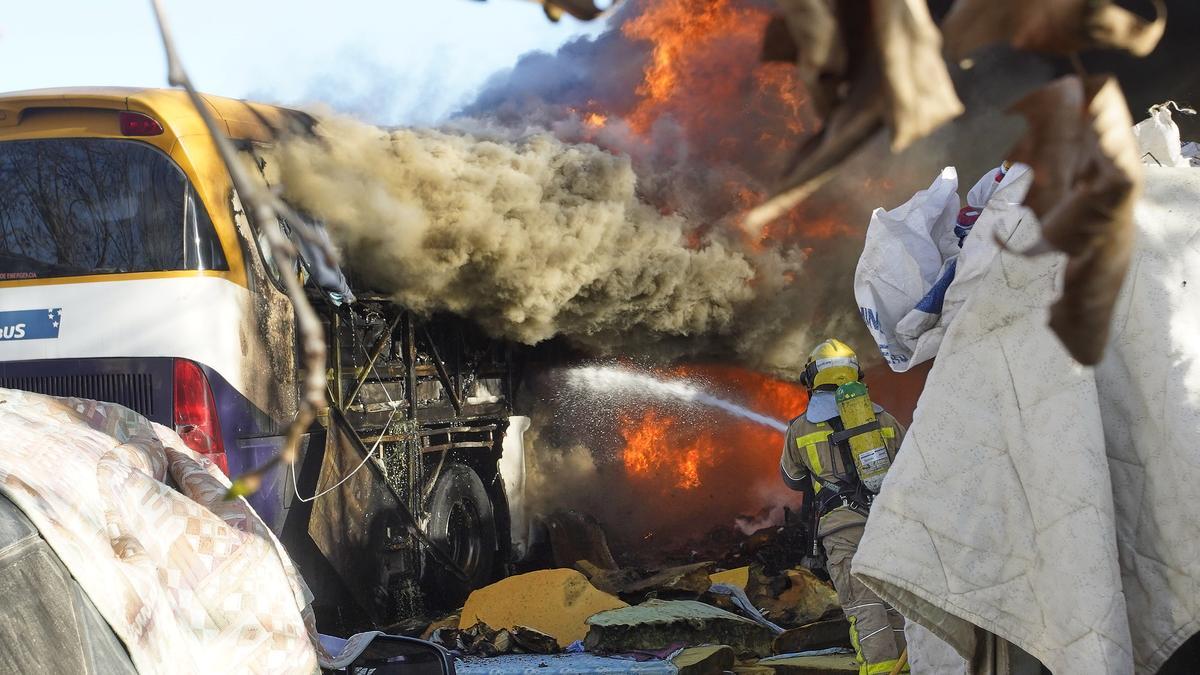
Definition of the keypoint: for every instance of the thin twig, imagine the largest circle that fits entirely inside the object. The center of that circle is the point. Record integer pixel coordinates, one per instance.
(267, 209)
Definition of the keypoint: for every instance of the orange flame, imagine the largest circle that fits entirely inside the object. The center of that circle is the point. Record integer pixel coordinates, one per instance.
(654, 447)
(645, 442)
(684, 455)
(689, 470)
(704, 72)
(595, 120)
(704, 54)
(781, 80)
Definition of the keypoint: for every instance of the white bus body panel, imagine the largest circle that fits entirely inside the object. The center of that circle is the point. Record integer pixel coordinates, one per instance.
(205, 319)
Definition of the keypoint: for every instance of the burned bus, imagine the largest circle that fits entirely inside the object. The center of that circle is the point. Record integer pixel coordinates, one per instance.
(130, 273)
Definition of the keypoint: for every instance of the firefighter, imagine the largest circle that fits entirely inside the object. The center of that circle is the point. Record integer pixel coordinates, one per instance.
(819, 460)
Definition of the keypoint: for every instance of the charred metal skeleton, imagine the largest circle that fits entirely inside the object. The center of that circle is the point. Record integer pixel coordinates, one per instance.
(424, 404)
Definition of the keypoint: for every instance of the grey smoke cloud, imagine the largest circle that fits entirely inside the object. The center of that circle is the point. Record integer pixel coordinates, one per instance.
(529, 236)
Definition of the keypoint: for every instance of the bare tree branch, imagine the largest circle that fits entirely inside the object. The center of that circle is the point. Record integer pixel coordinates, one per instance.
(267, 209)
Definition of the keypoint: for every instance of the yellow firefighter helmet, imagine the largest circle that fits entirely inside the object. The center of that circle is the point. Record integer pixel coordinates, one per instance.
(831, 363)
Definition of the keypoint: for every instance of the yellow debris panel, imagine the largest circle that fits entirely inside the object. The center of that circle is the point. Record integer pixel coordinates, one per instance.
(556, 602)
(739, 576)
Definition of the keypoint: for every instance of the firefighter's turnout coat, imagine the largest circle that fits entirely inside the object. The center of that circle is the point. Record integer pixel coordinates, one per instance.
(808, 455)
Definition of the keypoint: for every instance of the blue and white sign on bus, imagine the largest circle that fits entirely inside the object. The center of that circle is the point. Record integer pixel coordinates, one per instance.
(30, 324)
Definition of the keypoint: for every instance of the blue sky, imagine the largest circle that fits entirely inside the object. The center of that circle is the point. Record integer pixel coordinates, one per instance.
(389, 61)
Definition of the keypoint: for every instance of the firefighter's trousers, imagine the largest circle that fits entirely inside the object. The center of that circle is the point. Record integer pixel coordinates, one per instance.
(876, 630)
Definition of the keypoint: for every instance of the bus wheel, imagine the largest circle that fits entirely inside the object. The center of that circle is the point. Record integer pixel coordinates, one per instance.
(462, 523)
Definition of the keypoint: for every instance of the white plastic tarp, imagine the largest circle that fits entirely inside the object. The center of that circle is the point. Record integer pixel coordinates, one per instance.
(1054, 505)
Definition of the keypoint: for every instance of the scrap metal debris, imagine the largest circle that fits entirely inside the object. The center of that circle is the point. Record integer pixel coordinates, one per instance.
(576, 536)
(686, 580)
(697, 617)
(791, 664)
(482, 640)
(795, 596)
(813, 637)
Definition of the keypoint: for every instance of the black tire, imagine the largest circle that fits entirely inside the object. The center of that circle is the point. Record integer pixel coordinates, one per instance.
(462, 522)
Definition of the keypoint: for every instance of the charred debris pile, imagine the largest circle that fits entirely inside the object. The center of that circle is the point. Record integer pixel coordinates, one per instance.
(727, 599)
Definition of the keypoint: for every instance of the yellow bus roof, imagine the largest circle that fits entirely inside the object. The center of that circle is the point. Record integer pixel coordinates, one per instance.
(244, 120)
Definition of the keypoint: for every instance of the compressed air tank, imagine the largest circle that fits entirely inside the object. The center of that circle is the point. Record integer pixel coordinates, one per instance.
(867, 448)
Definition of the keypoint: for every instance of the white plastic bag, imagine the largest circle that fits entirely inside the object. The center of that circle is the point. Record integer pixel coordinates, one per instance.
(903, 256)
(1158, 137)
(906, 283)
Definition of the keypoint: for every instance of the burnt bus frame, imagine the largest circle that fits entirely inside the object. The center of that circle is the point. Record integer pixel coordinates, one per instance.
(450, 431)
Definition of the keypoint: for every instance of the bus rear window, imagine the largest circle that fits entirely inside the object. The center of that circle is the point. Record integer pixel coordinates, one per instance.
(77, 206)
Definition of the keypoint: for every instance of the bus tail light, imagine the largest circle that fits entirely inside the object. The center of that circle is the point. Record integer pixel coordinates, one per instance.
(196, 413)
(137, 124)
